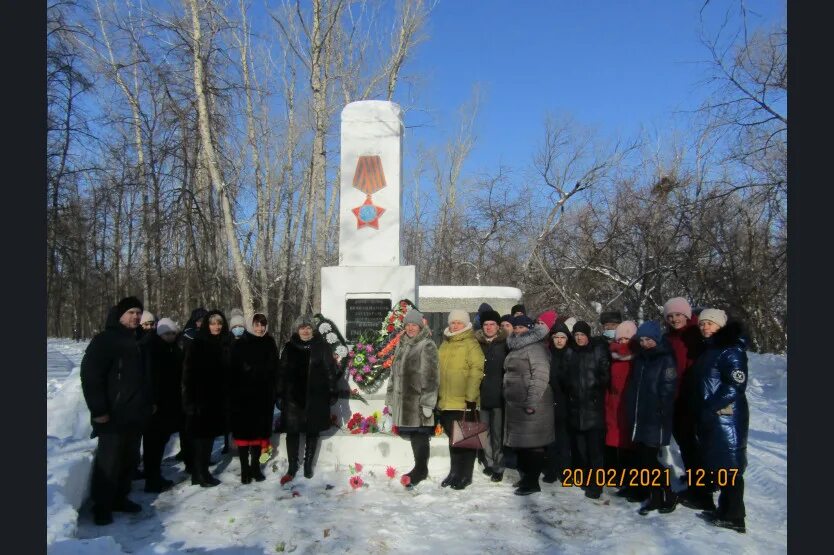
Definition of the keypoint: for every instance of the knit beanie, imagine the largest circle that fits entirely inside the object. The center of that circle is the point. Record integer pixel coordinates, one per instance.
(549, 317)
(166, 325)
(570, 322)
(560, 327)
(650, 329)
(506, 318)
(490, 316)
(460, 316)
(677, 304)
(518, 308)
(523, 321)
(485, 307)
(715, 315)
(582, 327)
(626, 330)
(146, 317)
(128, 303)
(237, 320)
(610, 317)
(413, 316)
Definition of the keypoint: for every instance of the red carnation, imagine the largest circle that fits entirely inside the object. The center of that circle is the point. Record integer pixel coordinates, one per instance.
(390, 328)
(355, 482)
(405, 480)
(390, 471)
(285, 478)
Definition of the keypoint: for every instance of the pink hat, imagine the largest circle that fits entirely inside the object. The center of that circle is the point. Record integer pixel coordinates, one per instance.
(626, 329)
(677, 304)
(548, 317)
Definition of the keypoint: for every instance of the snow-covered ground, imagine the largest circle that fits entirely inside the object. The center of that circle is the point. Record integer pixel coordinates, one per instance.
(383, 517)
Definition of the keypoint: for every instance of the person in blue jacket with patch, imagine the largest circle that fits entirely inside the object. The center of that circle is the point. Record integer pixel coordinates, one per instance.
(723, 415)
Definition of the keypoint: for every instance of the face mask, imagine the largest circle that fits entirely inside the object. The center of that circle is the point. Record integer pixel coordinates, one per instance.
(237, 331)
(610, 334)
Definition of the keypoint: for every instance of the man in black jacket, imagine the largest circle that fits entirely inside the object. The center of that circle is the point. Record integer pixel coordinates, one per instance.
(118, 394)
(493, 342)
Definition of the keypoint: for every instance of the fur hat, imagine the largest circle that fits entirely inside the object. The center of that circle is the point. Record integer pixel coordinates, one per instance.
(490, 316)
(560, 327)
(518, 308)
(413, 316)
(582, 327)
(610, 317)
(146, 317)
(677, 304)
(166, 325)
(570, 322)
(715, 315)
(301, 321)
(523, 321)
(549, 317)
(128, 303)
(626, 330)
(650, 329)
(460, 316)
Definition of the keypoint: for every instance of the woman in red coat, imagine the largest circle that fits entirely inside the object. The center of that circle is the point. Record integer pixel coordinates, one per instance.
(619, 449)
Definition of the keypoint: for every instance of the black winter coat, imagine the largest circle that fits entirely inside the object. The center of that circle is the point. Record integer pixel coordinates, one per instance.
(204, 379)
(163, 362)
(650, 395)
(307, 383)
(558, 372)
(114, 379)
(492, 386)
(252, 386)
(587, 377)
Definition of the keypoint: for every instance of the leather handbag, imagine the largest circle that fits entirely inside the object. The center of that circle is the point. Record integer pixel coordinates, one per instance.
(469, 434)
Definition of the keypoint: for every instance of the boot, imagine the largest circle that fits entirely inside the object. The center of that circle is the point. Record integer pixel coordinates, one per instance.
(292, 457)
(533, 462)
(670, 500)
(420, 448)
(201, 475)
(454, 468)
(245, 466)
(467, 466)
(655, 501)
(255, 463)
(309, 455)
(736, 524)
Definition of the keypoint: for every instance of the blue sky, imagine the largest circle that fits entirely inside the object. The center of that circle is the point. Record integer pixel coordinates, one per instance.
(615, 66)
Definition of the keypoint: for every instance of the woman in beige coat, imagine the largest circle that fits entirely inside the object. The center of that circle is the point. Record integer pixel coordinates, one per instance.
(412, 391)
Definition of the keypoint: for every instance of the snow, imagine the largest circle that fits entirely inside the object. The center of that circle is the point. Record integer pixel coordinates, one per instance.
(309, 517)
(469, 292)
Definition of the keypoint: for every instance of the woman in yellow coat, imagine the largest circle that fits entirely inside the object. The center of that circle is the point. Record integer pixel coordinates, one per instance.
(461, 372)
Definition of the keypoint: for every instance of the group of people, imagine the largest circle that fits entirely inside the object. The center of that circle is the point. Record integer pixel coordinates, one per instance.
(145, 380)
(588, 410)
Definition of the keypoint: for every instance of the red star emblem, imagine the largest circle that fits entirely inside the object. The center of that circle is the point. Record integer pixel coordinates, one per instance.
(367, 214)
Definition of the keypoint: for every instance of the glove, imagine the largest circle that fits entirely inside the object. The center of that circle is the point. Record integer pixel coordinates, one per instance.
(530, 410)
(471, 405)
(427, 412)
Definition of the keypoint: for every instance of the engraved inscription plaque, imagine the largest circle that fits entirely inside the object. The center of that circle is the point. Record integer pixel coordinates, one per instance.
(364, 316)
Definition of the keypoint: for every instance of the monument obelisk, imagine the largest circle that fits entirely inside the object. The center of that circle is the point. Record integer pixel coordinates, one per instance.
(359, 292)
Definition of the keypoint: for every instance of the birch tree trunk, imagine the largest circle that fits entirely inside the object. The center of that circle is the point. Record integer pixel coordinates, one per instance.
(213, 167)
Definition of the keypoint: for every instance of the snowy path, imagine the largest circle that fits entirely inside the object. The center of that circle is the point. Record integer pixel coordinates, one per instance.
(486, 517)
(58, 365)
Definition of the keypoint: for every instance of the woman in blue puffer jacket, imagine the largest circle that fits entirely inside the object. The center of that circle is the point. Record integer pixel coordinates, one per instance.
(723, 415)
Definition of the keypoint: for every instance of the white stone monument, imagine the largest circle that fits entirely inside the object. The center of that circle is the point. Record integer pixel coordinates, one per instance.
(369, 279)
(358, 293)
